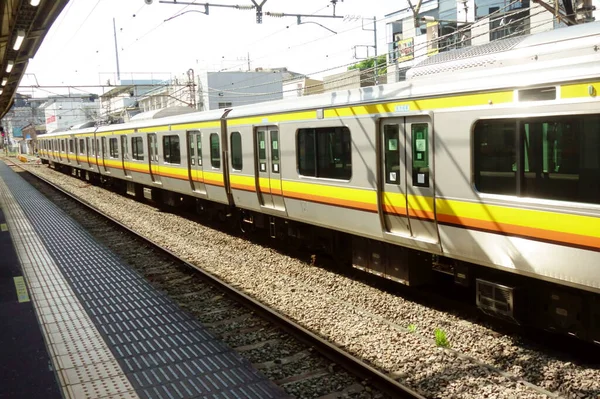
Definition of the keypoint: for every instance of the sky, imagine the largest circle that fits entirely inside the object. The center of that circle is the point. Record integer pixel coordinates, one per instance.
(79, 49)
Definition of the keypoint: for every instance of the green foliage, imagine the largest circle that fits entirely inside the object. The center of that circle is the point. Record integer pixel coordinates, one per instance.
(412, 328)
(370, 63)
(440, 338)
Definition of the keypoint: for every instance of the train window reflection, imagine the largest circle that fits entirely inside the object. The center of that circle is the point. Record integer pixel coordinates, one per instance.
(560, 158)
(495, 156)
(215, 151)
(137, 148)
(392, 153)
(171, 149)
(236, 151)
(113, 148)
(325, 152)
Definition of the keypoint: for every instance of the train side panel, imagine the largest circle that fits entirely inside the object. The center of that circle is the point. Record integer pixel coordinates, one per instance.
(535, 234)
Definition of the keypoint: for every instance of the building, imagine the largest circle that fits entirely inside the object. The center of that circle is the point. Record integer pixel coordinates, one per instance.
(229, 89)
(444, 25)
(61, 113)
(181, 91)
(25, 112)
(301, 86)
(121, 103)
(353, 79)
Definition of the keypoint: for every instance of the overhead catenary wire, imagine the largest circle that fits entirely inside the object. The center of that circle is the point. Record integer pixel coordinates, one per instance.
(82, 23)
(499, 28)
(157, 26)
(371, 69)
(507, 6)
(419, 47)
(268, 36)
(462, 41)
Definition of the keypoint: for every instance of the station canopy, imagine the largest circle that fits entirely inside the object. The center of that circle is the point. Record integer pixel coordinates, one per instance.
(23, 26)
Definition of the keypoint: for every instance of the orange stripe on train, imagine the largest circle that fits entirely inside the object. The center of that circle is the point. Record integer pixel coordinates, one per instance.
(530, 232)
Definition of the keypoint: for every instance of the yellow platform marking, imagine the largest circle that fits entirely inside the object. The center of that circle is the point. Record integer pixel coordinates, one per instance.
(21, 287)
(3, 227)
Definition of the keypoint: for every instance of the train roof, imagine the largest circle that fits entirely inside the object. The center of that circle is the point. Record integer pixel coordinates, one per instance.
(561, 55)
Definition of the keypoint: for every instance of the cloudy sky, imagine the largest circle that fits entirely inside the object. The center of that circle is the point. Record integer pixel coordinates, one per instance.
(80, 47)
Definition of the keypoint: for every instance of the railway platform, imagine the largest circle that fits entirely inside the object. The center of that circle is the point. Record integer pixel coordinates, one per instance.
(93, 327)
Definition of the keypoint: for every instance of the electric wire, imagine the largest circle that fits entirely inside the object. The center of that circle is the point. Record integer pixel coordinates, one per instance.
(354, 62)
(82, 23)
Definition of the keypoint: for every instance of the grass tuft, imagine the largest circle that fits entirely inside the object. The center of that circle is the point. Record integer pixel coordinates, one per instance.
(440, 338)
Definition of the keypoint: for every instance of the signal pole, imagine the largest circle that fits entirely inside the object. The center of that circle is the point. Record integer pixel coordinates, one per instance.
(116, 50)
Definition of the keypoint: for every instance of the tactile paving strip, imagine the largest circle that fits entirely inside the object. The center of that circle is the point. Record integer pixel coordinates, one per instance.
(71, 337)
(164, 352)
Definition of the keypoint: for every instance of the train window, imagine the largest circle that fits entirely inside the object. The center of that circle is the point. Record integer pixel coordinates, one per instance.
(262, 145)
(171, 150)
(558, 158)
(215, 151)
(495, 157)
(81, 146)
(124, 148)
(113, 146)
(137, 148)
(391, 137)
(236, 151)
(199, 146)
(192, 147)
(325, 152)
(62, 146)
(420, 153)
(71, 146)
(274, 151)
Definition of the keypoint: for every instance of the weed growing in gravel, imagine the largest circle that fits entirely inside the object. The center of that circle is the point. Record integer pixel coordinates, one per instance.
(440, 338)
(412, 328)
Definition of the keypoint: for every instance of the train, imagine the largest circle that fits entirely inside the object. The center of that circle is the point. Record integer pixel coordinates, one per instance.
(483, 166)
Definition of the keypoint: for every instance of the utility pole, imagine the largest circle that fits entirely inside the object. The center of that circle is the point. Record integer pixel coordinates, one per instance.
(116, 50)
(375, 64)
(376, 79)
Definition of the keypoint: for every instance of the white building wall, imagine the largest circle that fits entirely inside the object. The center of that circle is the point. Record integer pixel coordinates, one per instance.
(302, 87)
(230, 89)
(62, 114)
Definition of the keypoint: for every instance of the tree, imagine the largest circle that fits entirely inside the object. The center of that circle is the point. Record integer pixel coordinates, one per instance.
(369, 63)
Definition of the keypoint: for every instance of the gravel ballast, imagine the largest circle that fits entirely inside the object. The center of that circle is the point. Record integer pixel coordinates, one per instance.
(365, 321)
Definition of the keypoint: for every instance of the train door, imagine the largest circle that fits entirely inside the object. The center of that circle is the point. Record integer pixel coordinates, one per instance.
(196, 175)
(124, 155)
(153, 157)
(97, 151)
(103, 154)
(87, 151)
(73, 147)
(407, 183)
(268, 172)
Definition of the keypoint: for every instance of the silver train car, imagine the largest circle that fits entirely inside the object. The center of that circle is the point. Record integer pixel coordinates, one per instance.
(484, 164)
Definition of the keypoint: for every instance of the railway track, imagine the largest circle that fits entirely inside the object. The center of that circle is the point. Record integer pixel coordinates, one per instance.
(481, 362)
(302, 363)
